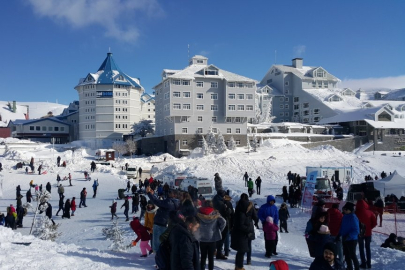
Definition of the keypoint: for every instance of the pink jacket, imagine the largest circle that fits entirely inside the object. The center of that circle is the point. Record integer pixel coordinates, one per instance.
(271, 230)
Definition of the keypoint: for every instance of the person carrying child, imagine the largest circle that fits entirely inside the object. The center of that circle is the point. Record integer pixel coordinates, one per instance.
(283, 215)
(270, 230)
(143, 235)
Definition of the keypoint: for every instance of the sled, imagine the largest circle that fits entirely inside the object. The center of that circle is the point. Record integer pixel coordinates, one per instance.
(21, 243)
(44, 172)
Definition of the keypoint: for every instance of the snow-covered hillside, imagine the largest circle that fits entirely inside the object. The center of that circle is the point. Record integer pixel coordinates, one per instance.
(82, 245)
(34, 109)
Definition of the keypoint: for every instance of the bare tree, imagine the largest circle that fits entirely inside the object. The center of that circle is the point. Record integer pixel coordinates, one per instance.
(131, 146)
(119, 147)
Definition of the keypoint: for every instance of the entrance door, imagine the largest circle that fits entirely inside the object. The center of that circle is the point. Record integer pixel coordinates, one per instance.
(337, 176)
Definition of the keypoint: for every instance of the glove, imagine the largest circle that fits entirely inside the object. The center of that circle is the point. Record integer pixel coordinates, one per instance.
(134, 243)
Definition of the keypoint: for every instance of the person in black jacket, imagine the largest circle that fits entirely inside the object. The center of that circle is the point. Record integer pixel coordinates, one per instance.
(48, 187)
(135, 202)
(18, 191)
(162, 215)
(328, 260)
(66, 213)
(48, 212)
(258, 183)
(283, 215)
(185, 254)
(126, 209)
(229, 223)
(243, 230)
(219, 205)
(60, 205)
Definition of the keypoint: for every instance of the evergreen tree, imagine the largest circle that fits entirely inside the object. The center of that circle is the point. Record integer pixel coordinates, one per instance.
(221, 146)
(116, 234)
(45, 229)
(232, 144)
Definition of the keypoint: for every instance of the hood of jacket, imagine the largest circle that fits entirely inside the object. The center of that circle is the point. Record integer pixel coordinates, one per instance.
(208, 218)
(270, 198)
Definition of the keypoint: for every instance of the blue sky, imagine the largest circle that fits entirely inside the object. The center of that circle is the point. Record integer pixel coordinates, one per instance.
(47, 45)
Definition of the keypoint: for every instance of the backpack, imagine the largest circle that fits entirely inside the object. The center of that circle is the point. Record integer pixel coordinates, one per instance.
(362, 228)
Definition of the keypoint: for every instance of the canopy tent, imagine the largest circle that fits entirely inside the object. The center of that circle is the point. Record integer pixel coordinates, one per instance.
(393, 184)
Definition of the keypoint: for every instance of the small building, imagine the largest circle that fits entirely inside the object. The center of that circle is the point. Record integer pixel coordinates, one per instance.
(41, 130)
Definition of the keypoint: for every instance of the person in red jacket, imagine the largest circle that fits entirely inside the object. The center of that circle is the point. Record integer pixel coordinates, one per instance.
(335, 219)
(73, 206)
(143, 235)
(368, 218)
(270, 229)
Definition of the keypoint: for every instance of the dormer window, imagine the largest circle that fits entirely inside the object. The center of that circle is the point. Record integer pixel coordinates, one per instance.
(320, 73)
(89, 79)
(211, 72)
(200, 62)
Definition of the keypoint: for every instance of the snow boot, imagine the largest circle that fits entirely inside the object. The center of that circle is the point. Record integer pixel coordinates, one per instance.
(144, 256)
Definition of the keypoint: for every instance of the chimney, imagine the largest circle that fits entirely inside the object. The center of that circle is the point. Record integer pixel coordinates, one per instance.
(14, 106)
(297, 62)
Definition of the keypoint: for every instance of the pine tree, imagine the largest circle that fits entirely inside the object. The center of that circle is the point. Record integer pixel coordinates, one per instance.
(205, 149)
(116, 234)
(45, 229)
(221, 146)
(232, 144)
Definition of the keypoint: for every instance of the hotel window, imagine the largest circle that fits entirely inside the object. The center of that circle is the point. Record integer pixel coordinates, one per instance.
(316, 111)
(249, 85)
(184, 142)
(237, 131)
(186, 107)
(214, 96)
(319, 84)
(306, 112)
(200, 84)
(305, 105)
(186, 94)
(249, 107)
(176, 106)
(241, 107)
(228, 130)
(200, 107)
(316, 119)
(176, 82)
(176, 94)
(185, 82)
(241, 96)
(286, 99)
(231, 96)
(249, 96)
(214, 119)
(237, 142)
(43, 128)
(237, 119)
(231, 107)
(214, 84)
(62, 128)
(184, 119)
(281, 99)
(199, 130)
(240, 85)
(281, 114)
(281, 106)
(287, 114)
(200, 95)
(313, 84)
(325, 84)
(184, 130)
(56, 129)
(286, 106)
(231, 84)
(319, 73)
(215, 130)
(287, 83)
(50, 128)
(211, 72)
(229, 119)
(199, 118)
(214, 107)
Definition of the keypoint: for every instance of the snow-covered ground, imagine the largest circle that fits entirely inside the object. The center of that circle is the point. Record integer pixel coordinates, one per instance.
(82, 245)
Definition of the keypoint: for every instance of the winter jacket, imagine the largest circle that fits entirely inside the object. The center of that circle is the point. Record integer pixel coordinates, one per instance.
(229, 221)
(83, 194)
(243, 229)
(61, 203)
(271, 230)
(268, 210)
(135, 200)
(366, 216)
(283, 213)
(113, 208)
(335, 220)
(73, 205)
(140, 230)
(61, 189)
(320, 264)
(125, 205)
(258, 182)
(250, 184)
(149, 217)
(66, 212)
(48, 187)
(48, 212)
(165, 206)
(349, 229)
(224, 211)
(317, 239)
(211, 225)
(218, 183)
(185, 252)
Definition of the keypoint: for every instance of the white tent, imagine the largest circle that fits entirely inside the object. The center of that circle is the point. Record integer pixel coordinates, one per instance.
(393, 184)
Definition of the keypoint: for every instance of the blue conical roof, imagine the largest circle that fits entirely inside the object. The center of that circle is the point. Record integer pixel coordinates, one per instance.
(110, 73)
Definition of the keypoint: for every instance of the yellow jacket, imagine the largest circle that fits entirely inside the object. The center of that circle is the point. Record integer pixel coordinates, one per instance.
(149, 216)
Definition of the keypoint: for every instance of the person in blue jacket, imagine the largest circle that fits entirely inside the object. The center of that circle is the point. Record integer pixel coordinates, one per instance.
(349, 231)
(269, 209)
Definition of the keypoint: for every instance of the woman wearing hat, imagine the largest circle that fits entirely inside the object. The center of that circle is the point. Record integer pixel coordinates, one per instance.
(349, 231)
(317, 233)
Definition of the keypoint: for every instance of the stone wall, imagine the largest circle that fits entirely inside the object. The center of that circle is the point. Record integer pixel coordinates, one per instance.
(389, 143)
(343, 144)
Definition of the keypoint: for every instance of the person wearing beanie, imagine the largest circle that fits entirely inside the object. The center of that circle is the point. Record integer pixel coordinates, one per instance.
(349, 231)
(335, 220)
(317, 234)
(328, 260)
(270, 229)
(269, 209)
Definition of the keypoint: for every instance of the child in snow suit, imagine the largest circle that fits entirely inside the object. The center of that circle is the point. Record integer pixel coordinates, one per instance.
(143, 235)
(283, 215)
(271, 234)
(113, 209)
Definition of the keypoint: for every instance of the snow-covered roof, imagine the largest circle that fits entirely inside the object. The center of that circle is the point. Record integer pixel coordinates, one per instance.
(27, 122)
(273, 91)
(110, 73)
(394, 94)
(305, 73)
(145, 97)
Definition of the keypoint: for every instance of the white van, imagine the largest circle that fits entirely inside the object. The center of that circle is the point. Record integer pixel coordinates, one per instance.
(132, 172)
(174, 180)
(204, 186)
